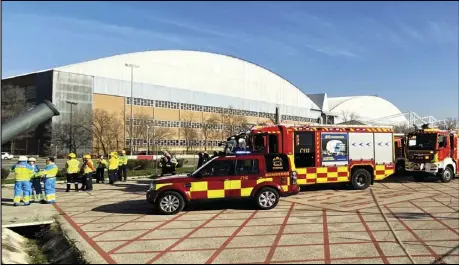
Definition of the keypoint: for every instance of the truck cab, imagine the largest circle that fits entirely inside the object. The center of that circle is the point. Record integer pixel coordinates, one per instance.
(434, 152)
(260, 177)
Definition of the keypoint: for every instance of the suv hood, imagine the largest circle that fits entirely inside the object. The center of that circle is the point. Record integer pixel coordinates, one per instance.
(173, 178)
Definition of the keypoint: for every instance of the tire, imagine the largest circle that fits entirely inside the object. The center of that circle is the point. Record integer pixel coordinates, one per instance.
(400, 169)
(361, 179)
(170, 203)
(267, 198)
(447, 175)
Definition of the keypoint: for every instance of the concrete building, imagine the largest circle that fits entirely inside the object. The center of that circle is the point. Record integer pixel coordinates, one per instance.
(174, 89)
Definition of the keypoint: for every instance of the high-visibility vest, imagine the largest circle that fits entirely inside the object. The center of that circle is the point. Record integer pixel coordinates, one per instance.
(101, 163)
(88, 167)
(113, 163)
(123, 160)
(50, 170)
(72, 166)
(23, 172)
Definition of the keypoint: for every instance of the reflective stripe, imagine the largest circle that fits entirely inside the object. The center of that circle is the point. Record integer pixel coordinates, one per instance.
(72, 166)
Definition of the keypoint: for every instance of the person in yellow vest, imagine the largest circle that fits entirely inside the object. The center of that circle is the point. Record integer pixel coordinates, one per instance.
(37, 194)
(72, 166)
(101, 165)
(122, 167)
(22, 186)
(87, 170)
(112, 167)
(49, 175)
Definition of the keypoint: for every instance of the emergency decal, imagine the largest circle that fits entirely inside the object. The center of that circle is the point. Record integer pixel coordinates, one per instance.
(277, 163)
(158, 186)
(322, 175)
(277, 174)
(382, 171)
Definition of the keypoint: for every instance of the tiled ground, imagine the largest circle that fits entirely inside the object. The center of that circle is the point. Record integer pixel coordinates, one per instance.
(324, 224)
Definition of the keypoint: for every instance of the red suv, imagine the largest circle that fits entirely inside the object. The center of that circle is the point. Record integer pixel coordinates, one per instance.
(261, 177)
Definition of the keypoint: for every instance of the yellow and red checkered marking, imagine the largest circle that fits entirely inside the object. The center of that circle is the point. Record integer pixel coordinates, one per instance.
(322, 175)
(383, 171)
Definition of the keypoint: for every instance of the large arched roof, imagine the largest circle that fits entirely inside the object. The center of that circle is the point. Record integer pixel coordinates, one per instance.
(370, 109)
(198, 71)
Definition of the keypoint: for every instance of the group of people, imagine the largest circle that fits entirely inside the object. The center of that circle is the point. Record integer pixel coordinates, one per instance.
(28, 180)
(117, 170)
(203, 157)
(168, 164)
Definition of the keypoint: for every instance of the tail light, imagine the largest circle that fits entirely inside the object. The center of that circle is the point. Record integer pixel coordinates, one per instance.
(293, 177)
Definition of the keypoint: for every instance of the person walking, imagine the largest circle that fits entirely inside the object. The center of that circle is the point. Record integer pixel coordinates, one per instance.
(101, 165)
(112, 167)
(72, 166)
(122, 167)
(22, 186)
(49, 176)
(87, 169)
(37, 192)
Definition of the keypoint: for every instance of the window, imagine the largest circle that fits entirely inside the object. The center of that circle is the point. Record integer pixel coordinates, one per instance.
(442, 141)
(218, 168)
(247, 167)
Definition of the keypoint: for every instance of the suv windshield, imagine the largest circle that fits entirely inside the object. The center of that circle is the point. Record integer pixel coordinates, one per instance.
(422, 142)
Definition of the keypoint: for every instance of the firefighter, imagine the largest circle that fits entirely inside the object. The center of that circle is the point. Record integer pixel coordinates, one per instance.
(37, 194)
(87, 169)
(49, 177)
(72, 166)
(200, 160)
(122, 166)
(174, 163)
(22, 187)
(101, 165)
(112, 167)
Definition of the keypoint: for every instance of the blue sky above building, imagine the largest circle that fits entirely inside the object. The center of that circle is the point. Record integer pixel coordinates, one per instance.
(406, 52)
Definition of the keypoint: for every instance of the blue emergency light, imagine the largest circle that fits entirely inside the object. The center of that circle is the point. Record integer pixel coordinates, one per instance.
(242, 152)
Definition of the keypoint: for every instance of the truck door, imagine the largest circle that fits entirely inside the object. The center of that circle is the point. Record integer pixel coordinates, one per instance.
(305, 149)
(247, 174)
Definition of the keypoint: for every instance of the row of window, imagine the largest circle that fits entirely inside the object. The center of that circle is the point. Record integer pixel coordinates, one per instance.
(164, 142)
(194, 107)
(182, 124)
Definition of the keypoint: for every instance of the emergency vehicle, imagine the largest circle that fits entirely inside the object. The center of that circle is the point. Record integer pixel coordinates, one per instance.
(433, 151)
(356, 154)
(261, 177)
(400, 153)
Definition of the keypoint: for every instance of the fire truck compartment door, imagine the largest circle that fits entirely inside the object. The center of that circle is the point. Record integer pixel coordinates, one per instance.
(361, 146)
(383, 147)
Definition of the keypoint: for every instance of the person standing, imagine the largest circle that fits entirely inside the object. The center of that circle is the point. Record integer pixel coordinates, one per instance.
(112, 167)
(123, 159)
(49, 176)
(72, 166)
(101, 165)
(37, 193)
(22, 186)
(87, 169)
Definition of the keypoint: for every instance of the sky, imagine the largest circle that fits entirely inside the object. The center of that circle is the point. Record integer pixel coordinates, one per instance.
(405, 52)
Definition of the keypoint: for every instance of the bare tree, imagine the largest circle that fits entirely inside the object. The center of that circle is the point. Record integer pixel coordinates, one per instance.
(76, 135)
(139, 129)
(209, 129)
(233, 123)
(189, 133)
(402, 128)
(348, 116)
(106, 130)
(14, 102)
(158, 133)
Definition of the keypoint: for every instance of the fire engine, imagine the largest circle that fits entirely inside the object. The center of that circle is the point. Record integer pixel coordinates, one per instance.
(329, 153)
(433, 151)
(400, 153)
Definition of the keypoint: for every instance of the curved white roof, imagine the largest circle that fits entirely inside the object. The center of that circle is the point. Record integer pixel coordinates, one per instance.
(198, 71)
(368, 109)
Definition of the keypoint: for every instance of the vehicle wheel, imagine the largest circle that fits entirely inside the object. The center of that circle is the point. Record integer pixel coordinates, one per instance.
(267, 198)
(447, 175)
(400, 169)
(361, 179)
(170, 202)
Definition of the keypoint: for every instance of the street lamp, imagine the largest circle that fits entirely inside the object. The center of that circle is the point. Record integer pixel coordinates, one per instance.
(148, 139)
(71, 124)
(132, 66)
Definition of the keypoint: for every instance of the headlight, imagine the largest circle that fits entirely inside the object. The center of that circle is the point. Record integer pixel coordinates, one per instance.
(152, 185)
(294, 177)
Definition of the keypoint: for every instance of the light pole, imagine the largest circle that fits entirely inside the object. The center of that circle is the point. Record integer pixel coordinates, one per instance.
(71, 124)
(148, 139)
(132, 66)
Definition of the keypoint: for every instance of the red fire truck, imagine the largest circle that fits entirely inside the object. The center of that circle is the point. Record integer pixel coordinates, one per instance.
(330, 153)
(433, 151)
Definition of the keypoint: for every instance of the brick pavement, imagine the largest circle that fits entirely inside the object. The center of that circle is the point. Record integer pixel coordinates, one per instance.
(324, 224)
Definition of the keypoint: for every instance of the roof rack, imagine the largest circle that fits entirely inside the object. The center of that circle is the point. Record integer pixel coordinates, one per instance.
(330, 126)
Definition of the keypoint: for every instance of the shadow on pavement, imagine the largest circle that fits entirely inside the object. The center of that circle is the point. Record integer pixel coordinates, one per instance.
(7, 202)
(419, 216)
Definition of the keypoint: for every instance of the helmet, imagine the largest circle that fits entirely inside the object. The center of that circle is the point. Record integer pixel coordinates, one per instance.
(22, 159)
(72, 155)
(32, 159)
(87, 156)
(123, 152)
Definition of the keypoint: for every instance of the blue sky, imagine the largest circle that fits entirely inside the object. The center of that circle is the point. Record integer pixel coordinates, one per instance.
(406, 52)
